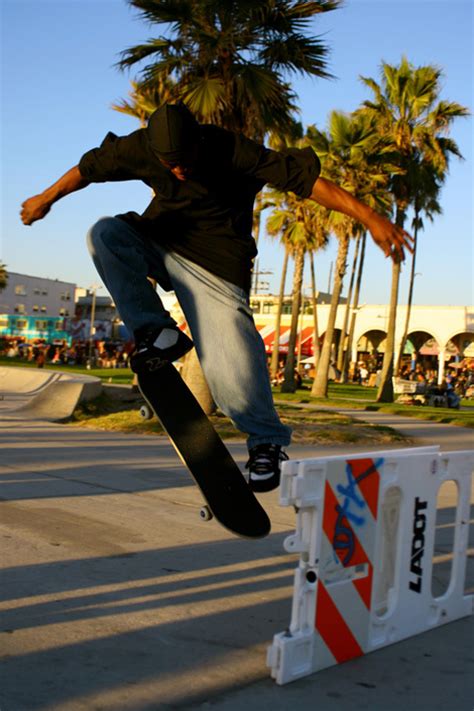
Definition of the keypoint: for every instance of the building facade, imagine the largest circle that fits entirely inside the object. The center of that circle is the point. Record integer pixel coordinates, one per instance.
(34, 308)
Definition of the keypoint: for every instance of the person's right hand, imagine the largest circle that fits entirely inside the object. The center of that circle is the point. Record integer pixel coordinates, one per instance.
(35, 208)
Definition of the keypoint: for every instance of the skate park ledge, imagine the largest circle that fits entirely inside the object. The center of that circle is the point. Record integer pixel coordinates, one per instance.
(51, 395)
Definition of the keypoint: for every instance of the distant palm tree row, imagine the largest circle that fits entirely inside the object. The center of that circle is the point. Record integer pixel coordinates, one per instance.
(230, 62)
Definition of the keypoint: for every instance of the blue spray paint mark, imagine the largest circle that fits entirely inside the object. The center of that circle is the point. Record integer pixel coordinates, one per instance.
(344, 538)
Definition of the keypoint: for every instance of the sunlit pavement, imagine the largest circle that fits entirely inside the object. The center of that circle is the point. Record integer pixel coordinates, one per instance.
(117, 596)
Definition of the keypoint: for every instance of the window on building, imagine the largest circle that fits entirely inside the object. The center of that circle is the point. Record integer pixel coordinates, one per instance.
(66, 296)
(41, 325)
(21, 323)
(20, 309)
(287, 308)
(36, 291)
(43, 309)
(36, 308)
(44, 292)
(20, 290)
(59, 326)
(255, 306)
(267, 307)
(3, 323)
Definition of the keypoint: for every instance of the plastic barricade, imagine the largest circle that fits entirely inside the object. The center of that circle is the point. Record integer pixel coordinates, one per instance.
(365, 534)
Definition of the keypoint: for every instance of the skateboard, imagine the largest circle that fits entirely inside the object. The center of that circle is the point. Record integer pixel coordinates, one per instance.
(227, 495)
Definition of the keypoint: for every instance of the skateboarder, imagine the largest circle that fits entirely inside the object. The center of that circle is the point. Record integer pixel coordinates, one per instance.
(195, 238)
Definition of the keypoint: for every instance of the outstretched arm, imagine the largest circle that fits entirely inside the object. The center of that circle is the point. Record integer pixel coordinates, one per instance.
(38, 206)
(391, 239)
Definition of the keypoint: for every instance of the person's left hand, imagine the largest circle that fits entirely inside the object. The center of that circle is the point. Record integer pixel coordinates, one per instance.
(391, 239)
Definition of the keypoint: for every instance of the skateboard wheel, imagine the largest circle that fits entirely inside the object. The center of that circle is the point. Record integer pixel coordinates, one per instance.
(145, 412)
(205, 513)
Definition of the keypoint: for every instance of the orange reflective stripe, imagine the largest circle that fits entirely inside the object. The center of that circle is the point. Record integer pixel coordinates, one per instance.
(331, 626)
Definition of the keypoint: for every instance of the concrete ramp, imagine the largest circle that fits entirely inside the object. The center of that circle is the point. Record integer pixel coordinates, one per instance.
(44, 394)
(22, 380)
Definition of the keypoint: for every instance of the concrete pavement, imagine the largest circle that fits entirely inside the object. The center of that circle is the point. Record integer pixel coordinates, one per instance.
(116, 596)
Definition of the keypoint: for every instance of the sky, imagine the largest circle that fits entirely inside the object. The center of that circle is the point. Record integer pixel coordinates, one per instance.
(59, 80)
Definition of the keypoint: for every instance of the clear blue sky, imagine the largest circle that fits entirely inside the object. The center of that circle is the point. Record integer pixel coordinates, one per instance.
(59, 81)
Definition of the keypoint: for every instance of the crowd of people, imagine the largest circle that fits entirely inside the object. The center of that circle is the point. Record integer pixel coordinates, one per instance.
(100, 354)
(458, 377)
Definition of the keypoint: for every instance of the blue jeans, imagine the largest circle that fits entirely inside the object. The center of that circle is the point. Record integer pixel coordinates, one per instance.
(229, 347)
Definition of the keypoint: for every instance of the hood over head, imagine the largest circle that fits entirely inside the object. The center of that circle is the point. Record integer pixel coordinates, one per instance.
(173, 131)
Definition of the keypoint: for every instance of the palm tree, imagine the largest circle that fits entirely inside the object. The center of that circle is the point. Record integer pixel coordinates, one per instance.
(354, 309)
(296, 221)
(409, 114)
(352, 155)
(228, 60)
(274, 362)
(145, 99)
(3, 276)
(425, 201)
(344, 334)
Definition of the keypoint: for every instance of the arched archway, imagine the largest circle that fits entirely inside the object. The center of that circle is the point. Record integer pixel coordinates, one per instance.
(421, 351)
(463, 343)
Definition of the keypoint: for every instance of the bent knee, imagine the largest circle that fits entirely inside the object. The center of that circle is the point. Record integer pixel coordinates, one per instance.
(108, 232)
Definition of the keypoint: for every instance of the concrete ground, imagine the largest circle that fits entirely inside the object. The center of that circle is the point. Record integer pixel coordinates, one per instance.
(116, 596)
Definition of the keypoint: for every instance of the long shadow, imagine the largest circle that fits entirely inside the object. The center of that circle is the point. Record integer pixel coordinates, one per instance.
(120, 464)
(168, 613)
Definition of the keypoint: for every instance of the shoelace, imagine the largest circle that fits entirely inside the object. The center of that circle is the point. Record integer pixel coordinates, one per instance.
(262, 462)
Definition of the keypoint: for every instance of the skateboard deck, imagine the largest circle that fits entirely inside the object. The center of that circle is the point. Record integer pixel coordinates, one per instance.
(202, 451)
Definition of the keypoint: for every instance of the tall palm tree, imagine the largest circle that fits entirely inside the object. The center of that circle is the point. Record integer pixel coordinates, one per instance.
(409, 114)
(229, 60)
(343, 345)
(296, 221)
(352, 155)
(425, 202)
(274, 362)
(354, 309)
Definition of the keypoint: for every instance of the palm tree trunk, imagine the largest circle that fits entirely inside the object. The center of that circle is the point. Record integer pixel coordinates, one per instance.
(196, 382)
(385, 391)
(355, 304)
(410, 297)
(343, 340)
(320, 384)
(276, 341)
(314, 296)
(288, 384)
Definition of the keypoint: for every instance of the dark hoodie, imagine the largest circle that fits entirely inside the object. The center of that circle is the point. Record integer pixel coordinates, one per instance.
(207, 218)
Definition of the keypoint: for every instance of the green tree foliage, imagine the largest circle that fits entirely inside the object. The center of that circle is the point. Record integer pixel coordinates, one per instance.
(416, 122)
(230, 60)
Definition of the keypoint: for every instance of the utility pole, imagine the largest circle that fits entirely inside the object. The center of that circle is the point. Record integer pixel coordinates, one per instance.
(93, 291)
(257, 273)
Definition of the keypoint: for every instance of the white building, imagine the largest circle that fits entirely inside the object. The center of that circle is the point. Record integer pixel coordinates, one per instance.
(31, 295)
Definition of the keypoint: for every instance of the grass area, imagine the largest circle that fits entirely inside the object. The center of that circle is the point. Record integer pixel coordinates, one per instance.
(359, 397)
(339, 396)
(118, 409)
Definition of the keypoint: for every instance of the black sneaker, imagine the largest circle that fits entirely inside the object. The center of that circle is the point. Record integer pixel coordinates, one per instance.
(264, 466)
(148, 354)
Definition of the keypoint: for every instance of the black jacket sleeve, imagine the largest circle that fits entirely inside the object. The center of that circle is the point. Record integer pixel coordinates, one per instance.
(295, 169)
(119, 158)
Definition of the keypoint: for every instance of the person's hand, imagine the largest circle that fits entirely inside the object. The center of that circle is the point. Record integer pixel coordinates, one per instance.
(391, 239)
(35, 208)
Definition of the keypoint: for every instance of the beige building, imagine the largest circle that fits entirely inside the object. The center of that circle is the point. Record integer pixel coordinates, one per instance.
(438, 334)
(444, 333)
